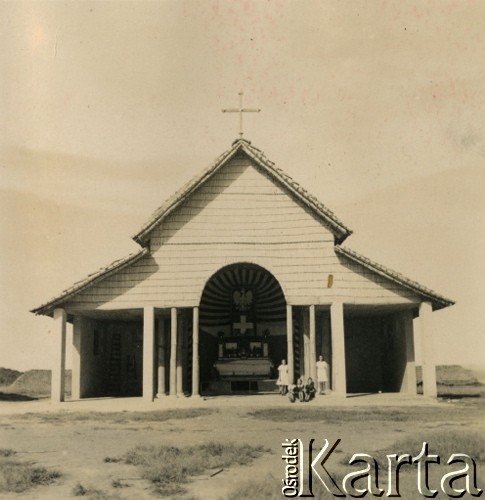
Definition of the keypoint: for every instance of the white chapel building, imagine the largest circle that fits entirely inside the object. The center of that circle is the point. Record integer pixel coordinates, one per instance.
(240, 269)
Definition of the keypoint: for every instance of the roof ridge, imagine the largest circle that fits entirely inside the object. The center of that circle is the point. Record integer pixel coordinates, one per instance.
(394, 276)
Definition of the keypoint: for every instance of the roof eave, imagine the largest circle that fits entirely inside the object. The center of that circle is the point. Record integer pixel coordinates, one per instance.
(344, 235)
(47, 309)
(437, 301)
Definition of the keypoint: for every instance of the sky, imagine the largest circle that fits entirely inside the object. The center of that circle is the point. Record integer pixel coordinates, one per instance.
(107, 108)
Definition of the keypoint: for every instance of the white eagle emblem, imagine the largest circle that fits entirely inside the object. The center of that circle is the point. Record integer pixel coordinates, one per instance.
(242, 299)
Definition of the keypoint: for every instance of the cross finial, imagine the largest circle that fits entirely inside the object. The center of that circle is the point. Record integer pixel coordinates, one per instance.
(241, 110)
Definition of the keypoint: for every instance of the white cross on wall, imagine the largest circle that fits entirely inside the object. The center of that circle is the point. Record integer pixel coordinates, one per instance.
(242, 325)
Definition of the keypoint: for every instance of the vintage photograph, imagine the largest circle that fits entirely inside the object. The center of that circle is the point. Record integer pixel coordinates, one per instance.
(242, 249)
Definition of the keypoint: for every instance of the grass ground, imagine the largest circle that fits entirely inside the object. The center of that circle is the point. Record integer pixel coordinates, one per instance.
(168, 468)
(230, 450)
(18, 476)
(117, 417)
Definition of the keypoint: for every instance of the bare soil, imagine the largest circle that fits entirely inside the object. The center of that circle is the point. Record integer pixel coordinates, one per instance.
(75, 438)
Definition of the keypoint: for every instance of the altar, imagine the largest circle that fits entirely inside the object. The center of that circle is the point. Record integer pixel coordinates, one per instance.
(244, 369)
(243, 354)
(243, 357)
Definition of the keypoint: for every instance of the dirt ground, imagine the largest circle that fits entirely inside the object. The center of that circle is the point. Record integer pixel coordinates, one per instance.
(74, 438)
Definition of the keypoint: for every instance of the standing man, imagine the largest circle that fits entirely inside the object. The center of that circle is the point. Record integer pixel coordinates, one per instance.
(322, 375)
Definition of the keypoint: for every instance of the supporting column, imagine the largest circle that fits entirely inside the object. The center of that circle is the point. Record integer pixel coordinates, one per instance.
(409, 378)
(148, 353)
(195, 351)
(161, 358)
(173, 351)
(305, 367)
(58, 370)
(339, 381)
(313, 344)
(427, 350)
(77, 340)
(180, 356)
(289, 337)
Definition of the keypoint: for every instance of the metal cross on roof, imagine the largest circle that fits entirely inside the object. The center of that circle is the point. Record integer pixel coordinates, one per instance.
(241, 110)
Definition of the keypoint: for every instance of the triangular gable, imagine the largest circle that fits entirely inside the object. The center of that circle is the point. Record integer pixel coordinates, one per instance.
(438, 301)
(340, 231)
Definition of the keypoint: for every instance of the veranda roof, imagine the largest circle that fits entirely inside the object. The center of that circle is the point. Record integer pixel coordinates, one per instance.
(438, 301)
(90, 280)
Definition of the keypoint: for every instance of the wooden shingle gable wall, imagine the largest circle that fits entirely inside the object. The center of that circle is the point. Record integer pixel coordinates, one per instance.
(239, 215)
(243, 147)
(240, 205)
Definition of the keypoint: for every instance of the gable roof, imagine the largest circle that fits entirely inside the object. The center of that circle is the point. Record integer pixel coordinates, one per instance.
(91, 279)
(340, 231)
(438, 301)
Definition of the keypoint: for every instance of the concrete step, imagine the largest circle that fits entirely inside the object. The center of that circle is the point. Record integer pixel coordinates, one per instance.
(267, 385)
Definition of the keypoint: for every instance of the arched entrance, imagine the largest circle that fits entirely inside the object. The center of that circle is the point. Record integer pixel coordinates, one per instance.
(242, 328)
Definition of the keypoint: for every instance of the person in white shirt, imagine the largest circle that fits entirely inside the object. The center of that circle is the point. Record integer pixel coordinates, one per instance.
(283, 377)
(322, 375)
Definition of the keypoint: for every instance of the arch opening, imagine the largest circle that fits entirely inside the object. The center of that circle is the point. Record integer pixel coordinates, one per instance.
(242, 328)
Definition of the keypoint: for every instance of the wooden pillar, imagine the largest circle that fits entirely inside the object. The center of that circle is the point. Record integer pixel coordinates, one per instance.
(313, 344)
(305, 352)
(409, 379)
(77, 340)
(173, 351)
(427, 350)
(148, 353)
(58, 370)
(289, 337)
(161, 357)
(339, 382)
(195, 351)
(180, 355)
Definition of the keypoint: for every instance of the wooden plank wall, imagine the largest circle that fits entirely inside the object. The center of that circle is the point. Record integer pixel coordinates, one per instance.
(239, 215)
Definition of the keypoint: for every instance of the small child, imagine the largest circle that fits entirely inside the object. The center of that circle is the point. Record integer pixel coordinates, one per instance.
(300, 388)
(309, 389)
